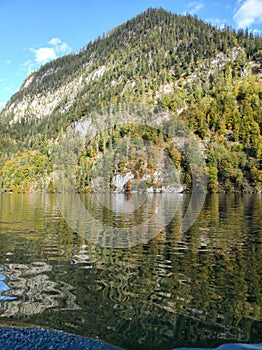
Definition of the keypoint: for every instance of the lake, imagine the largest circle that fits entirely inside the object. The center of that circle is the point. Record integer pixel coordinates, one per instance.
(172, 288)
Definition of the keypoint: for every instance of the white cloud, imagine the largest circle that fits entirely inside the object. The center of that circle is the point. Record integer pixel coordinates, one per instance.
(44, 54)
(8, 88)
(59, 46)
(8, 62)
(55, 41)
(56, 48)
(194, 7)
(64, 48)
(248, 13)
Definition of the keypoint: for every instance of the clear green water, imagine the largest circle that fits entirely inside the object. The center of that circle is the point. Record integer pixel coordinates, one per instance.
(194, 289)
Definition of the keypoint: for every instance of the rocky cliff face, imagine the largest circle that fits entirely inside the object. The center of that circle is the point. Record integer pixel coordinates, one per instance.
(32, 108)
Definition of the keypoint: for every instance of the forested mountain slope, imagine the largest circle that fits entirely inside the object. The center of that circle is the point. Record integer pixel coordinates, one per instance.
(211, 78)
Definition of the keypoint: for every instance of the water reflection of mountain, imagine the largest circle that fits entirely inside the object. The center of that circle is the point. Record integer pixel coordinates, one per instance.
(120, 220)
(160, 300)
(33, 291)
(195, 288)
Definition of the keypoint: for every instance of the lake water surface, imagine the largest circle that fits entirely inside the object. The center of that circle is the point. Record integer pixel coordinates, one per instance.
(199, 288)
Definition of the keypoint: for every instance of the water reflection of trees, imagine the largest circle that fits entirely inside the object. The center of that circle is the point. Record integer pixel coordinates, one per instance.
(199, 287)
(100, 225)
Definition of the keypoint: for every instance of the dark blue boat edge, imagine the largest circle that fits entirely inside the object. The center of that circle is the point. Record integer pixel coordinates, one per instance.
(12, 338)
(31, 338)
(229, 346)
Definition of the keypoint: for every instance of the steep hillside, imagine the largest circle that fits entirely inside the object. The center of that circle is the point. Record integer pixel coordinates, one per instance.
(211, 78)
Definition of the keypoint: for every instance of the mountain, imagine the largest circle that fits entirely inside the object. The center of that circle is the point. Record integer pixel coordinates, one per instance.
(210, 77)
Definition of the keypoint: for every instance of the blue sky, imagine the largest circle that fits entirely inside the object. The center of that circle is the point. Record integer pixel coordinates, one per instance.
(36, 31)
